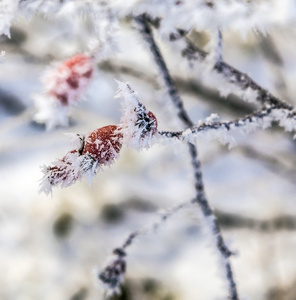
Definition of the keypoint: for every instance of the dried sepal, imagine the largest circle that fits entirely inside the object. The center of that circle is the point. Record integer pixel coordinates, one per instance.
(100, 148)
(113, 274)
(64, 84)
(138, 125)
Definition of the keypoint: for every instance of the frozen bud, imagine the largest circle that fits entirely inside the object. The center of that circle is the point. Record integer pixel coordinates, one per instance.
(99, 148)
(64, 84)
(138, 124)
(113, 274)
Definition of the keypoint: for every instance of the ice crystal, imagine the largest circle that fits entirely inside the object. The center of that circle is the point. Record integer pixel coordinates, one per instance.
(138, 125)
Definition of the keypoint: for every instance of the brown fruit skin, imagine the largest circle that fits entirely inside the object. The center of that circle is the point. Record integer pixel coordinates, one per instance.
(102, 143)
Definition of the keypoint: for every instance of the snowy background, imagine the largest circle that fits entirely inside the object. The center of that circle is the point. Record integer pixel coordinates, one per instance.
(53, 247)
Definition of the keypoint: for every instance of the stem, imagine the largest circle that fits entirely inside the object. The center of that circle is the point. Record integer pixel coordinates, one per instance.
(234, 76)
(200, 199)
(258, 117)
(163, 218)
(170, 84)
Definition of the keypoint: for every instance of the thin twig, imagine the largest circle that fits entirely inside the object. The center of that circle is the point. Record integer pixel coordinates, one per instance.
(155, 226)
(113, 274)
(231, 74)
(234, 76)
(200, 199)
(216, 53)
(191, 86)
(256, 118)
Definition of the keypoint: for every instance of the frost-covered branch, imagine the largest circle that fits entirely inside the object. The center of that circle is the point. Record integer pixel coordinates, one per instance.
(200, 199)
(240, 83)
(261, 119)
(251, 90)
(172, 89)
(113, 274)
(215, 47)
(244, 85)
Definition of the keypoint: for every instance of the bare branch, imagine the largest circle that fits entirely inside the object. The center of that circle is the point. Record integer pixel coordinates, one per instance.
(112, 275)
(200, 199)
(259, 119)
(234, 76)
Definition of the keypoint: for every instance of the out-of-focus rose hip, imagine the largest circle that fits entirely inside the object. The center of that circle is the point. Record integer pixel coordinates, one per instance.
(70, 78)
(64, 83)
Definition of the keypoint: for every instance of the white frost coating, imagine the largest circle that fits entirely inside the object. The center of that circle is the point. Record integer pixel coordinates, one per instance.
(50, 112)
(46, 8)
(214, 47)
(8, 10)
(285, 119)
(71, 168)
(104, 17)
(76, 140)
(221, 82)
(224, 131)
(64, 172)
(212, 118)
(135, 119)
(241, 16)
(221, 134)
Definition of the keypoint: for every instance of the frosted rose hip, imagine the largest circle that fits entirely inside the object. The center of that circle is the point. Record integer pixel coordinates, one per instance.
(104, 144)
(100, 148)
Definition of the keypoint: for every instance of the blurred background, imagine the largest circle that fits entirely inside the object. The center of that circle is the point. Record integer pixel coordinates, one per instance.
(53, 247)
